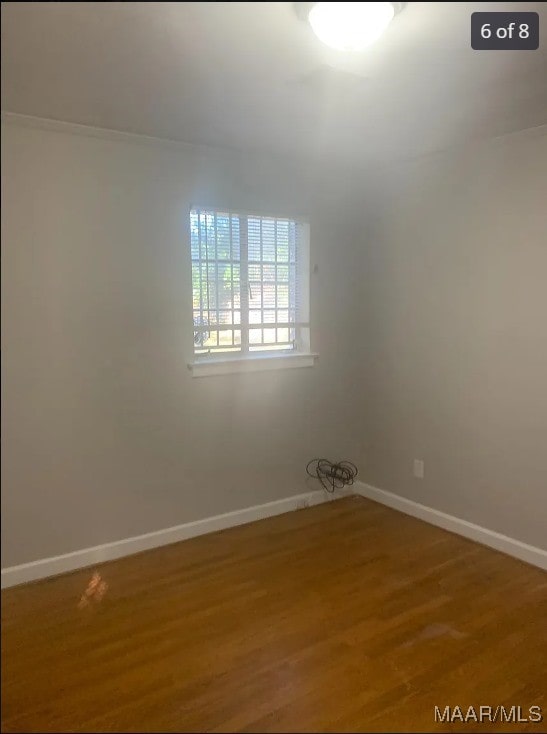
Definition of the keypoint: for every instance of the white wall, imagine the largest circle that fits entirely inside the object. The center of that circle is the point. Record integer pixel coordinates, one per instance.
(454, 366)
(105, 433)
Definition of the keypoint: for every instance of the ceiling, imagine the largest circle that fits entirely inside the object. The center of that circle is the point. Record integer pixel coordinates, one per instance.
(252, 76)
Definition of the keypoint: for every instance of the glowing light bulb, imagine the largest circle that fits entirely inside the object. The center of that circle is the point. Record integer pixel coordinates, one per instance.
(350, 26)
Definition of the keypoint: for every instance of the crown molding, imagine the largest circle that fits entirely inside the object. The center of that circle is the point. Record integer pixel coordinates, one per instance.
(201, 150)
(73, 128)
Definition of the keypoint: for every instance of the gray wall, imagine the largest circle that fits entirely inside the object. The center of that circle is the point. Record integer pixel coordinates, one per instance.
(454, 365)
(105, 433)
(429, 312)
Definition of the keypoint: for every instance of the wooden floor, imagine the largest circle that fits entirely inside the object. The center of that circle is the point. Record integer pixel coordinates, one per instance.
(344, 617)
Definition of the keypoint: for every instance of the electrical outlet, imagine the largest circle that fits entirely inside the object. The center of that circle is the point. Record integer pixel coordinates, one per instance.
(419, 468)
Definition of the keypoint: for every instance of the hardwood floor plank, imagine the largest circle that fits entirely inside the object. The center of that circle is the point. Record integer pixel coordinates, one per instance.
(347, 616)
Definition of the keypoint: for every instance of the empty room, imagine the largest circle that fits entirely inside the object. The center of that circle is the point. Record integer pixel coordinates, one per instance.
(274, 367)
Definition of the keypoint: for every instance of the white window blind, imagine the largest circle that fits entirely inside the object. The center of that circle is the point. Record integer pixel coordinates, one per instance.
(250, 283)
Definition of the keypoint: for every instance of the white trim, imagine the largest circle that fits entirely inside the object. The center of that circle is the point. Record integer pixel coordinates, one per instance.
(32, 122)
(208, 367)
(74, 128)
(505, 544)
(109, 551)
(105, 133)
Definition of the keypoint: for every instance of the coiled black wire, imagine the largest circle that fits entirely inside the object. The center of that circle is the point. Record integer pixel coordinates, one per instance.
(332, 475)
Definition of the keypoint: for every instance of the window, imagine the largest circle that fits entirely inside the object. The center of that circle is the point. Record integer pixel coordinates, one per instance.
(250, 289)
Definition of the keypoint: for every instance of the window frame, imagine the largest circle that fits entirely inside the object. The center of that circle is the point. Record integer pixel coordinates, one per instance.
(244, 360)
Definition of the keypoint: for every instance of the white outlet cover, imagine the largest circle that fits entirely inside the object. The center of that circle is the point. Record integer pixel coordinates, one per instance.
(419, 468)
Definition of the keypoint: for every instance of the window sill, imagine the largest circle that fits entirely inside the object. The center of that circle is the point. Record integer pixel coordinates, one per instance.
(207, 367)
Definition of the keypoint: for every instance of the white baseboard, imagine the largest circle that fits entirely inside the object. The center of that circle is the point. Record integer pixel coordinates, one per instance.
(109, 551)
(503, 543)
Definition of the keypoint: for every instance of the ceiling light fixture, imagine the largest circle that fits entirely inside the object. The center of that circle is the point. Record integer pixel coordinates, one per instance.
(348, 26)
